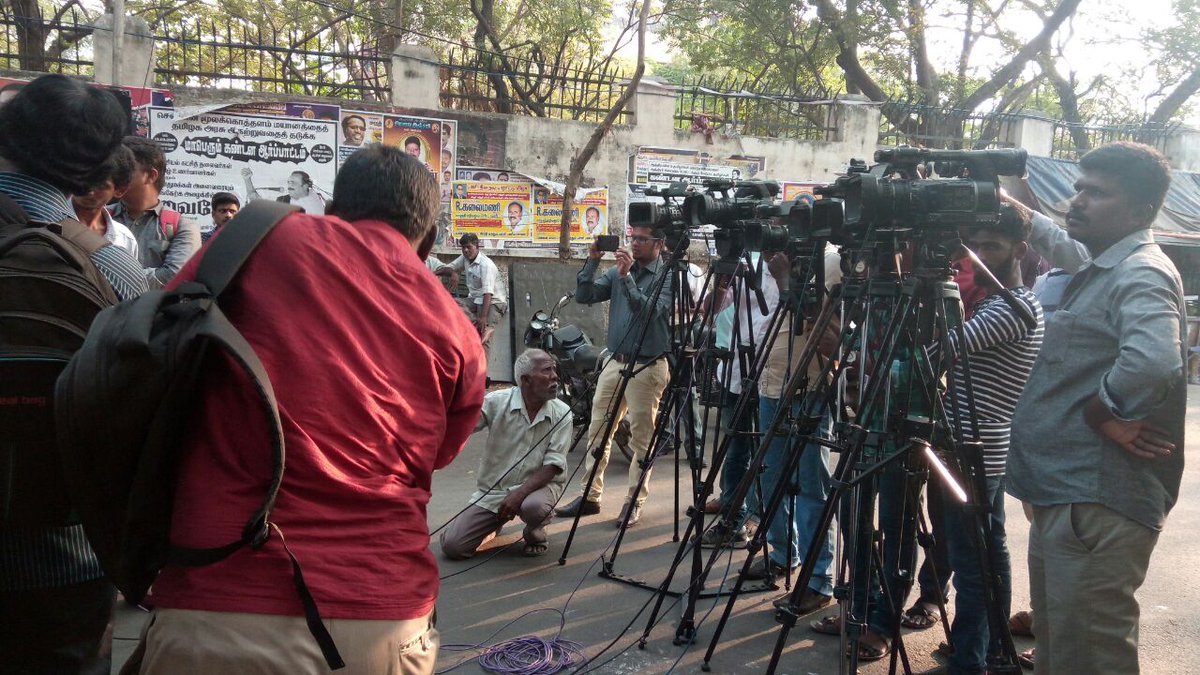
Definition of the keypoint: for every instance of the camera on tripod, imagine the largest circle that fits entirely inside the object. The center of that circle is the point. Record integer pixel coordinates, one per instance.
(897, 195)
(667, 216)
(742, 214)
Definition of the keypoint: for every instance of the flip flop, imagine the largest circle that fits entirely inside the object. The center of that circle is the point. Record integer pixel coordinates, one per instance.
(827, 625)
(921, 616)
(534, 550)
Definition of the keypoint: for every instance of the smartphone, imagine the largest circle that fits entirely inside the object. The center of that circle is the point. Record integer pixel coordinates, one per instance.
(607, 242)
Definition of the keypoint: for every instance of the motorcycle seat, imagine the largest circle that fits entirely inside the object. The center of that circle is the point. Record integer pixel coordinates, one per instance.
(586, 358)
(570, 337)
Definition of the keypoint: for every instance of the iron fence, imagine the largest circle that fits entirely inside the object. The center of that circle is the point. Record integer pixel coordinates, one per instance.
(59, 44)
(526, 84)
(260, 58)
(733, 106)
(1072, 141)
(909, 123)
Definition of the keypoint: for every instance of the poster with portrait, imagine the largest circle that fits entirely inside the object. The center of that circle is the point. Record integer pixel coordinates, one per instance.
(659, 167)
(358, 129)
(420, 137)
(589, 216)
(288, 159)
(305, 111)
(492, 210)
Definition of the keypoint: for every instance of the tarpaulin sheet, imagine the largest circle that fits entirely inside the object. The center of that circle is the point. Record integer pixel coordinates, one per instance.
(1178, 223)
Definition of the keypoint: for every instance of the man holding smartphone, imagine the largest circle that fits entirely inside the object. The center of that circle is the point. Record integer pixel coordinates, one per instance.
(640, 301)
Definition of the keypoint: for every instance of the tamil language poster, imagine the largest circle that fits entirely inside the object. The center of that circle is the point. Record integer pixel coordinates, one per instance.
(288, 159)
(659, 167)
(589, 216)
(492, 210)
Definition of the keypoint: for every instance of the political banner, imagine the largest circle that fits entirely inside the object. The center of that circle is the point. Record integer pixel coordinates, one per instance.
(793, 190)
(419, 136)
(289, 159)
(547, 216)
(492, 210)
(659, 167)
(358, 129)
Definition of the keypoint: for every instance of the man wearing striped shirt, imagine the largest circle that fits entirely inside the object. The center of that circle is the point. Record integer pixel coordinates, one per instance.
(54, 600)
(999, 349)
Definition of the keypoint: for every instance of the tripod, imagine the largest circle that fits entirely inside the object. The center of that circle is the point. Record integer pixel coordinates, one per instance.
(928, 307)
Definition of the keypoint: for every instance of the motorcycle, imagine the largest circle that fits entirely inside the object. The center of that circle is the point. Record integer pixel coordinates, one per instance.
(578, 363)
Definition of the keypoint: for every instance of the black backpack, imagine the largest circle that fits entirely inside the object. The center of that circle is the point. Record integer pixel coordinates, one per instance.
(49, 294)
(144, 357)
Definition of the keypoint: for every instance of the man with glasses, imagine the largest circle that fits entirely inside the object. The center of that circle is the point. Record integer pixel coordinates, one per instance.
(640, 295)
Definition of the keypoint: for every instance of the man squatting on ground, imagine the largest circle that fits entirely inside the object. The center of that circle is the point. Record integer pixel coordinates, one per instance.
(523, 469)
(1097, 437)
(629, 285)
(378, 385)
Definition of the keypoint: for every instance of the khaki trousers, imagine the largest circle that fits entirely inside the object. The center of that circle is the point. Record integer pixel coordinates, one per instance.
(640, 402)
(191, 642)
(1086, 562)
(476, 525)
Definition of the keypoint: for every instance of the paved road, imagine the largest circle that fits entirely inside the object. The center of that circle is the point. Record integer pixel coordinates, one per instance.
(502, 595)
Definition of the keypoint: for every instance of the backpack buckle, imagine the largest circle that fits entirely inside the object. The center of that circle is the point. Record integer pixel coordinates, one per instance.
(262, 532)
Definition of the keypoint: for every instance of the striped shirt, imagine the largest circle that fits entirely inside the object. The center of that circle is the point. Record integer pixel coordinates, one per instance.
(1002, 350)
(60, 556)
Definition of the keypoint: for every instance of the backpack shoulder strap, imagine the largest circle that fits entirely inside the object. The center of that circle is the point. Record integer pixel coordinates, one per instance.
(79, 234)
(168, 223)
(238, 238)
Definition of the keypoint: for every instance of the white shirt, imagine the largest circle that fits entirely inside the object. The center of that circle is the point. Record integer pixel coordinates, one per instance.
(517, 443)
(119, 235)
(483, 277)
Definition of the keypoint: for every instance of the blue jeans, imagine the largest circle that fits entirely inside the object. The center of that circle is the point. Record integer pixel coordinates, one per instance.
(970, 633)
(791, 531)
(934, 577)
(737, 457)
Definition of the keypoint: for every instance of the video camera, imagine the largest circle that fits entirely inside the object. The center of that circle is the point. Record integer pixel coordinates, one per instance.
(667, 216)
(893, 196)
(741, 211)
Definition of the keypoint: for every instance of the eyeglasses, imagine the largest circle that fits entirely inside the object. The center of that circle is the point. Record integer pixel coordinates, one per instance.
(643, 240)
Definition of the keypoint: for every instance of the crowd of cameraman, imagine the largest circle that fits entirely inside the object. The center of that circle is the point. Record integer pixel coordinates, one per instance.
(380, 384)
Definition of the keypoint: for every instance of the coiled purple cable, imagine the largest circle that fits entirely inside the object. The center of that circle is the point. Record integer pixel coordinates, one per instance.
(531, 655)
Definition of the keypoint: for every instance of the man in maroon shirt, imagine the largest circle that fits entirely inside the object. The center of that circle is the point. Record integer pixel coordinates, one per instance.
(379, 379)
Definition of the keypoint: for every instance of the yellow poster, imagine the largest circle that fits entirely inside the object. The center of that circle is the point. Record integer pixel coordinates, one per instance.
(589, 217)
(492, 210)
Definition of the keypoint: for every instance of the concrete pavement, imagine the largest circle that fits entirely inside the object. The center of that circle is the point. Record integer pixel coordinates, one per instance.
(501, 595)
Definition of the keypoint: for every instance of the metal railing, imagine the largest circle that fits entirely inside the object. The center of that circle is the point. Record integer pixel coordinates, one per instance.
(1072, 141)
(258, 58)
(735, 107)
(478, 80)
(65, 43)
(909, 123)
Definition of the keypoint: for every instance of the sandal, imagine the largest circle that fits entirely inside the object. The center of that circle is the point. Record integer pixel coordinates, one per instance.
(1021, 624)
(1025, 658)
(870, 653)
(921, 616)
(534, 550)
(827, 625)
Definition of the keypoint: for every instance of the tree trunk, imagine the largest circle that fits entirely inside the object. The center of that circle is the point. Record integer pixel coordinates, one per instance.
(1175, 100)
(589, 149)
(31, 34)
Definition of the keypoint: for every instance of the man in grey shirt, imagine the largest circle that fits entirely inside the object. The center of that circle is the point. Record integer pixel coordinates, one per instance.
(165, 238)
(640, 295)
(1097, 438)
